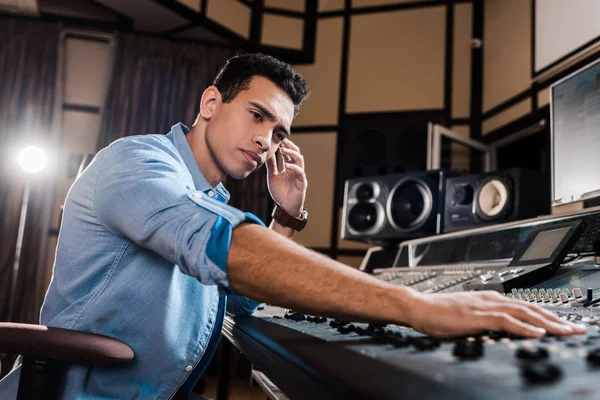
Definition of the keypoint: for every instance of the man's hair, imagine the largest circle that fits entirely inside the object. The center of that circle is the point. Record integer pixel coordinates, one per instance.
(239, 70)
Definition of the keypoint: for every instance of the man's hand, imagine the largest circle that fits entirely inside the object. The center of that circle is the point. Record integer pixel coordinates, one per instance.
(455, 314)
(288, 187)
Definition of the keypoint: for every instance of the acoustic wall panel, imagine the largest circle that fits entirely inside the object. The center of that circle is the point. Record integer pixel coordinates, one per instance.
(331, 5)
(396, 61)
(544, 97)
(461, 68)
(232, 14)
(350, 261)
(507, 116)
(80, 131)
(323, 76)
(292, 5)
(367, 3)
(87, 68)
(461, 155)
(318, 150)
(278, 30)
(507, 50)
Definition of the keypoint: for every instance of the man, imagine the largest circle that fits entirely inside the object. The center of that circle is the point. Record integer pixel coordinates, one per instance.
(150, 253)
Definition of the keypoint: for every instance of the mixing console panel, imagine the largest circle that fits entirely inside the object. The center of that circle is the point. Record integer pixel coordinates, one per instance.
(492, 365)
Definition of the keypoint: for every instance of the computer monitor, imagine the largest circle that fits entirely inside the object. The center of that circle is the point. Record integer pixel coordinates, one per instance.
(575, 136)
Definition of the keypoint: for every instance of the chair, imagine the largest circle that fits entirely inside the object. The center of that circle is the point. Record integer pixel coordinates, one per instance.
(47, 351)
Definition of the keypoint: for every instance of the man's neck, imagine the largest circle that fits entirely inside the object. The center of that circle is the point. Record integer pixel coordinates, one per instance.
(204, 157)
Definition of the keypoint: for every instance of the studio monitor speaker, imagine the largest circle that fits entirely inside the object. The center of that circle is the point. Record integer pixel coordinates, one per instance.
(495, 197)
(392, 208)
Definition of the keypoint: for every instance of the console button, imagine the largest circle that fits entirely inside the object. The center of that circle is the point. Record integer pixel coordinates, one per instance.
(532, 354)
(541, 373)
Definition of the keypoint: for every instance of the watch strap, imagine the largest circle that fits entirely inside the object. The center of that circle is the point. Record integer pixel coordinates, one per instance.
(282, 217)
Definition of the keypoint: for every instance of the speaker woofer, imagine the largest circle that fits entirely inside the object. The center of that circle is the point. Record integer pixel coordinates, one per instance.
(409, 205)
(364, 217)
(492, 200)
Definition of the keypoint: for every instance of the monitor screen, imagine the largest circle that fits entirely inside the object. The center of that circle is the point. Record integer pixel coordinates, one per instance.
(575, 115)
(544, 244)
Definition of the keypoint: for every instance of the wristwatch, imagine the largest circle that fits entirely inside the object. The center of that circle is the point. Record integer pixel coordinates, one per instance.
(285, 219)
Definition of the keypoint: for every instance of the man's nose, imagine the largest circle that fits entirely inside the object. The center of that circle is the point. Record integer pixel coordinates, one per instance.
(263, 141)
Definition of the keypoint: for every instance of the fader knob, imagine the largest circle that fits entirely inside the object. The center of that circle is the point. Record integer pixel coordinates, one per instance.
(590, 294)
(564, 298)
(530, 354)
(594, 357)
(577, 293)
(468, 350)
(539, 372)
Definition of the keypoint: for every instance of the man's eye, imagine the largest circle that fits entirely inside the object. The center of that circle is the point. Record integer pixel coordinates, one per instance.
(256, 116)
(280, 137)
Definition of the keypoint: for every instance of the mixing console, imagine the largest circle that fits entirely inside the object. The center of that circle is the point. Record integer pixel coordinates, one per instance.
(547, 262)
(492, 365)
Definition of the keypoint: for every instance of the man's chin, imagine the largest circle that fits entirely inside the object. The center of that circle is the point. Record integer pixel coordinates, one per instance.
(241, 174)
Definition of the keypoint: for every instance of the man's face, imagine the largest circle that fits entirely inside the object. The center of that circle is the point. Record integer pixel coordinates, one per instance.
(242, 134)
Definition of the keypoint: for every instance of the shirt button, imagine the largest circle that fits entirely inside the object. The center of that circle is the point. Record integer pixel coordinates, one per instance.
(211, 319)
(197, 195)
(211, 193)
(189, 368)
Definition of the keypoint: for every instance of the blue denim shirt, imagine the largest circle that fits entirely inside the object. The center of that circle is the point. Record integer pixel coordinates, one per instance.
(141, 257)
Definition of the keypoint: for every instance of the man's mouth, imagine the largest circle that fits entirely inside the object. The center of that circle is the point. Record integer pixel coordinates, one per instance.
(252, 157)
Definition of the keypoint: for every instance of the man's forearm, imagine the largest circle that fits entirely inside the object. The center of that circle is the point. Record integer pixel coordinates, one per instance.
(269, 268)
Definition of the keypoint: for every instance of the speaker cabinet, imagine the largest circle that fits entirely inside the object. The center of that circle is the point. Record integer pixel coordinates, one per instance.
(495, 197)
(392, 208)
(383, 143)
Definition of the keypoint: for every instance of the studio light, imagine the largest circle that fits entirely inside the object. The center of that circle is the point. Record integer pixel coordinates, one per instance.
(32, 159)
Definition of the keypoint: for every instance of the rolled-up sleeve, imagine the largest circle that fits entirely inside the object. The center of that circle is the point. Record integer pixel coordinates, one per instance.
(141, 193)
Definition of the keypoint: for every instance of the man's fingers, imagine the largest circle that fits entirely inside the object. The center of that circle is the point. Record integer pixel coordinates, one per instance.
(499, 321)
(293, 155)
(549, 316)
(293, 167)
(532, 317)
(271, 166)
(289, 143)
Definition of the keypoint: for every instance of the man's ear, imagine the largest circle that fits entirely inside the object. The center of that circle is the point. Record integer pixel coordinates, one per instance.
(211, 98)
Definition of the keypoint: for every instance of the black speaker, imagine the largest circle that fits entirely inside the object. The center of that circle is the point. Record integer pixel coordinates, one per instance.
(495, 197)
(391, 208)
(383, 143)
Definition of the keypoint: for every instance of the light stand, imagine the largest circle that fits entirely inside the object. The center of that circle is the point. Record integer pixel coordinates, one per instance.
(32, 160)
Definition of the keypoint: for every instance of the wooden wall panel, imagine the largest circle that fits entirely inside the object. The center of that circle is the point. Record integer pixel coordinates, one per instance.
(461, 155)
(507, 116)
(232, 14)
(294, 5)
(282, 31)
(366, 3)
(506, 50)
(461, 68)
(318, 150)
(331, 5)
(543, 97)
(397, 61)
(350, 260)
(321, 107)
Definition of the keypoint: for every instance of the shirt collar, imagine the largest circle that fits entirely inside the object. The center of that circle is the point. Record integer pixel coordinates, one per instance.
(177, 136)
